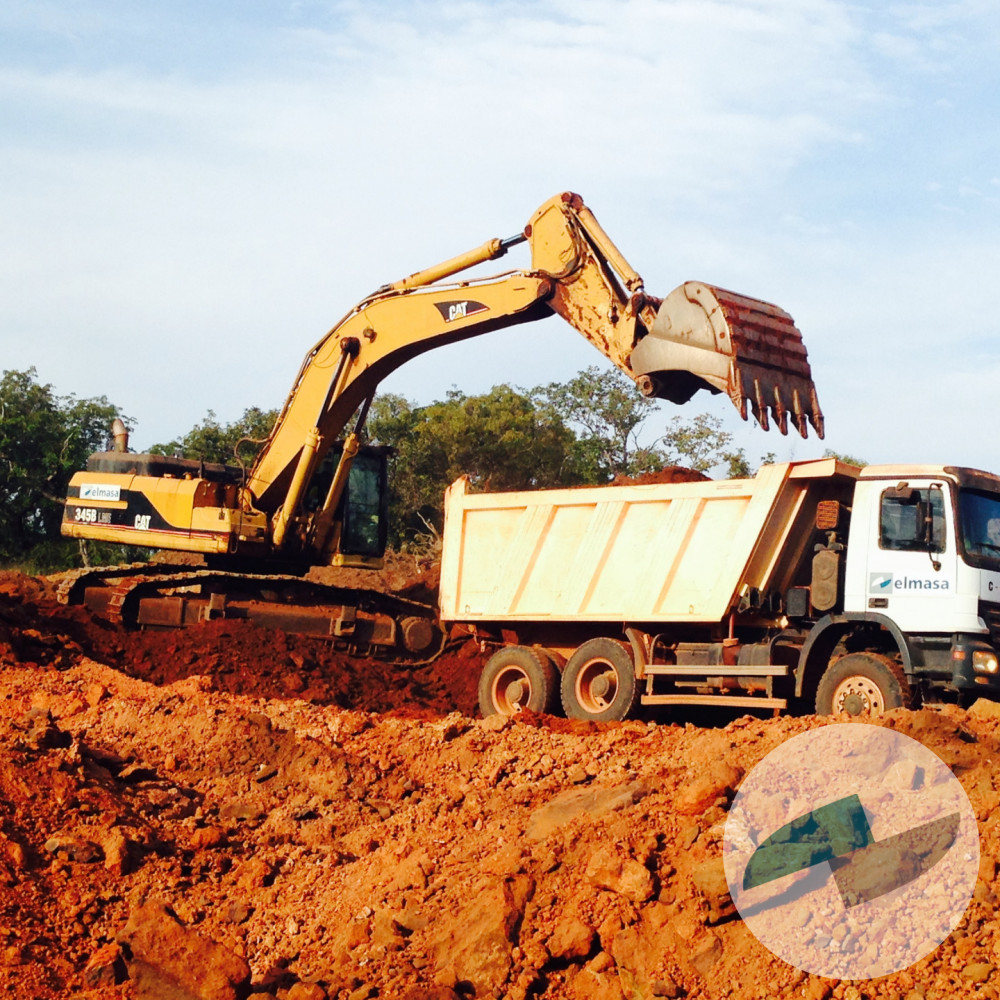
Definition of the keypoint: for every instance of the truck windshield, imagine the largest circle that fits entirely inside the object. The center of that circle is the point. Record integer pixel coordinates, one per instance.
(979, 527)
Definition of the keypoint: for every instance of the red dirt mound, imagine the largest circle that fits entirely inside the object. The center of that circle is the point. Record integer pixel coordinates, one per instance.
(196, 829)
(233, 656)
(668, 474)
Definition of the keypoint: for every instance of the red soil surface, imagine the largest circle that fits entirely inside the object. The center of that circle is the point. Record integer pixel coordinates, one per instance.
(230, 811)
(668, 474)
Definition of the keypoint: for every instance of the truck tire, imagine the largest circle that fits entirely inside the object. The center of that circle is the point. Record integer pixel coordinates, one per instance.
(862, 684)
(599, 683)
(517, 677)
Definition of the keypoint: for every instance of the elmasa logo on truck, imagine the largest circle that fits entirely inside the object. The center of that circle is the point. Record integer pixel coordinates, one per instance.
(882, 583)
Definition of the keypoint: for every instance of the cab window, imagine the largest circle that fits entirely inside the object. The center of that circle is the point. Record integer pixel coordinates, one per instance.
(979, 523)
(364, 508)
(912, 520)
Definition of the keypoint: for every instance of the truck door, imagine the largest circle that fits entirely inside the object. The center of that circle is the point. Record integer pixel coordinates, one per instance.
(912, 568)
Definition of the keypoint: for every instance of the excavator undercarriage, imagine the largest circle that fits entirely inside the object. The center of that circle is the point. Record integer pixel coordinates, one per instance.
(358, 622)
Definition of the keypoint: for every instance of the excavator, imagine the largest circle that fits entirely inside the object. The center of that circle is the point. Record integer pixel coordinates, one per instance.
(315, 496)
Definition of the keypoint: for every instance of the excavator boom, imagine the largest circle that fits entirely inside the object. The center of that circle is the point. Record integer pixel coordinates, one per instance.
(698, 337)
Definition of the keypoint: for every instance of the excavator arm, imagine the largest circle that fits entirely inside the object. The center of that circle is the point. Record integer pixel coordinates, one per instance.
(283, 514)
(697, 337)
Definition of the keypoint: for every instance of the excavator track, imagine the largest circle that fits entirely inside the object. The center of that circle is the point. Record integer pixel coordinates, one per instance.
(358, 622)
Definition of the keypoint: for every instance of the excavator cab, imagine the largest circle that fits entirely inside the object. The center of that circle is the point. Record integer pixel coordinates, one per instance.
(366, 505)
(362, 514)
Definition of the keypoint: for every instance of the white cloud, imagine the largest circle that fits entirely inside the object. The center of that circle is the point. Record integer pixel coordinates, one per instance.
(185, 230)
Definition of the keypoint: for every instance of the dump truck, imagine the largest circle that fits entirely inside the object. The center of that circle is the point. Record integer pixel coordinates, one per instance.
(814, 584)
(315, 496)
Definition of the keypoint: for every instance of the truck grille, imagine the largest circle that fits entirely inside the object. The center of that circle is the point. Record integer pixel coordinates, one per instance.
(990, 614)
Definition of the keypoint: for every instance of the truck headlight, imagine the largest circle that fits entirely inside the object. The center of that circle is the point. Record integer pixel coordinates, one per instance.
(985, 662)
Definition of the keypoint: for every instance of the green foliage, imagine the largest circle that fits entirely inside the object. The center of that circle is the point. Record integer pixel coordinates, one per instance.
(847, 459)
(562, 434)
(501, 439)
(701, 444)
(606, 406)
(52, 555)
(44, 439)
(211, 441)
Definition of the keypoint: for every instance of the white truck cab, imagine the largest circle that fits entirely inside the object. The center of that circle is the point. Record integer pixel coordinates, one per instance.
(923, 557)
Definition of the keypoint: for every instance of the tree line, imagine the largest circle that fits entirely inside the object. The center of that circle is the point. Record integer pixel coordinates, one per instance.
(587, 430)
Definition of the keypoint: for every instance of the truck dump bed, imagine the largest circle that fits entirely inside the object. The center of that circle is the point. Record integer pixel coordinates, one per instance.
(679, 552)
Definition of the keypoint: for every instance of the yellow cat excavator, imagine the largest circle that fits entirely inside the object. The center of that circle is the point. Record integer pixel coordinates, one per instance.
(315, 498)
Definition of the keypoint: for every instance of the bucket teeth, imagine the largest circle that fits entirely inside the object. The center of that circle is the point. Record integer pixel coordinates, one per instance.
(741, 393)
(768, 351)
(780, 413)
(704, 337)
(760, 405)
(798, 414)
(815, 413)
(769, 400)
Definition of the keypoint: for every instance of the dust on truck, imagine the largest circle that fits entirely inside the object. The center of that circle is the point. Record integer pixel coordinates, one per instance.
(813, 584)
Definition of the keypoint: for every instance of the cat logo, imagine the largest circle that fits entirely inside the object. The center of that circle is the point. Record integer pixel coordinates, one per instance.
(459, 309)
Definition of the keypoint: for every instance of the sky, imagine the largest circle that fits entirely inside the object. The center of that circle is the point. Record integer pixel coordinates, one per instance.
(193, 193)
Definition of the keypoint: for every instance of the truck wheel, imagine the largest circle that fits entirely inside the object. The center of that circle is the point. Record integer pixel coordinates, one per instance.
(598, 682)
(517, 677)
(862, 684)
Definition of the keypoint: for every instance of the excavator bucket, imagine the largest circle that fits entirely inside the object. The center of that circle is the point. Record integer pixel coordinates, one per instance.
(707, 338)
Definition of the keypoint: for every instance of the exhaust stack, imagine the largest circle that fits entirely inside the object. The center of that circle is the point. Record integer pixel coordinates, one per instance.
(119, 433)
